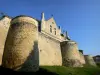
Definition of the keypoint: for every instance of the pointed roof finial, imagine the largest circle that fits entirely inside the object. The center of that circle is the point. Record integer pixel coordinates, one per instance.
(67, 36)
(42, 16)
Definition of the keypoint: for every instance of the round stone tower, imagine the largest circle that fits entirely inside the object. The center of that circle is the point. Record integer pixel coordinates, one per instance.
(70, 54)
(89, 60)
(21, 46)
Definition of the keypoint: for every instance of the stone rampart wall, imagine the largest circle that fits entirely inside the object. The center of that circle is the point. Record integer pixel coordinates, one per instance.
(49, 51)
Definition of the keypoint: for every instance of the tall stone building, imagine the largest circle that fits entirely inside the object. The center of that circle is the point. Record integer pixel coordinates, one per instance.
(27, 43)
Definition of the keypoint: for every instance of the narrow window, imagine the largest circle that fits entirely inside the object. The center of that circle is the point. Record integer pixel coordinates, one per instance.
(50, 28)
(55, 31)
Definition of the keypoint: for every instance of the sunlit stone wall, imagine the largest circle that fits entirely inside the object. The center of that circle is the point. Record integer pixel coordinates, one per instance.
(49, 51)
(82, 59)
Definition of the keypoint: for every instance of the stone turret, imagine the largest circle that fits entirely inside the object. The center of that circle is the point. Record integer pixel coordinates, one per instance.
(21, 47)
(89, 60)
(70, 54)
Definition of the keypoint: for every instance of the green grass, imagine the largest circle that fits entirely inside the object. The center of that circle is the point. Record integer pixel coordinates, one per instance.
(61, 70)
(55, 70)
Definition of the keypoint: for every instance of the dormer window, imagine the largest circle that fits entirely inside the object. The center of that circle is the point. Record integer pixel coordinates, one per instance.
(50, 28)
(55, 31)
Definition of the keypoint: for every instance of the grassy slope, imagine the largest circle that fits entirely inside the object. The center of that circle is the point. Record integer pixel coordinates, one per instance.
(55, 70)
(73, 71)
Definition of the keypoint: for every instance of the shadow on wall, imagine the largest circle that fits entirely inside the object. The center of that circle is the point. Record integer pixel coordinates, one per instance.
(32, 62)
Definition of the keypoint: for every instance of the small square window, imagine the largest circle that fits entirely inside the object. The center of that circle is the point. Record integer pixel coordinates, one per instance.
(55, 30)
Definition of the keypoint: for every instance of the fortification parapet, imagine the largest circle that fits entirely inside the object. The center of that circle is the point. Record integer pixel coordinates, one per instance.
(89, 60)
(21, 46)
(70, 54)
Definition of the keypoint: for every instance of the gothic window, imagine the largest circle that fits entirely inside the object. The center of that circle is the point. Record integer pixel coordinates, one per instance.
(55, 31)
(50, 28)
